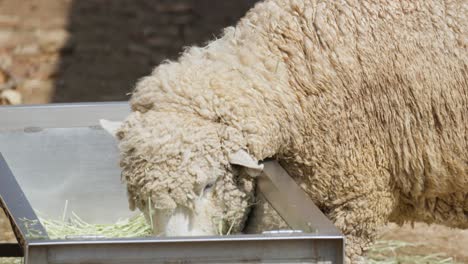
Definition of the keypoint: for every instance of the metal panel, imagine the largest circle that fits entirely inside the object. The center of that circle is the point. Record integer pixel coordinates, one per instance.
(298, 249)
(78, 165)
(17, 208)
(60, 115)
(291, 202)
(59, 153)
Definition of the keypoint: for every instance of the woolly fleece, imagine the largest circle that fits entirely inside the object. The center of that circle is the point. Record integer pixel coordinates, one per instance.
(365, 103)
(6, 232)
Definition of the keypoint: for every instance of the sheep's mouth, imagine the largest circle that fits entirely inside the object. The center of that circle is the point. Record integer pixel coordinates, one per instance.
(176, 223)
(179, 223)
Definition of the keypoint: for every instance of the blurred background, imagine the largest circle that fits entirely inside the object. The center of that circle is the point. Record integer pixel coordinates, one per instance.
(95, 50)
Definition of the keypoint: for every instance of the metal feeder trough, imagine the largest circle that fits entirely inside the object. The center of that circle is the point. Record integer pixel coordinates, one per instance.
(56, 153)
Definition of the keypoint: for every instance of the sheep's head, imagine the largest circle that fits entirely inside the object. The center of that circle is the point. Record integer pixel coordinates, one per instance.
(185, 173)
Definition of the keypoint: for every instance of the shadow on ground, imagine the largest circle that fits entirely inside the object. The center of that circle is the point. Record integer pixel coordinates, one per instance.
(114, 43)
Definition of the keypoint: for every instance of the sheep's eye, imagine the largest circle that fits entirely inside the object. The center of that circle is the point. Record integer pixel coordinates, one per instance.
(208, 186)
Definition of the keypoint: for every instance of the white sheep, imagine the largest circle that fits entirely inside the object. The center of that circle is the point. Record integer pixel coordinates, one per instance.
(6, 232)
(365, 103)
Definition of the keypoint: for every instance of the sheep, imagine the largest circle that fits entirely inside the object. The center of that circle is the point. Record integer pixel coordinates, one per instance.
(364, 103)
(10, 97)
(6, 233)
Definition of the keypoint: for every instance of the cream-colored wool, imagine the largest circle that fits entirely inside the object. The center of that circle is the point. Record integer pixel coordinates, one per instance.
(364, 102)
(171, 157)
(6, 233)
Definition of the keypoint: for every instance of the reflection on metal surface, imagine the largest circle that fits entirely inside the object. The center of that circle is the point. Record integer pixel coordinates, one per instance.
(75, 164)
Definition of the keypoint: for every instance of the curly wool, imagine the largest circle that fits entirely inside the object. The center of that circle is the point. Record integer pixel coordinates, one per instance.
(363, 102)
(6, 232)
(167, 157)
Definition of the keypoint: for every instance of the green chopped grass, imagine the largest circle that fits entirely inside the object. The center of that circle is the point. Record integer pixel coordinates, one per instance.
(11, 260)
(76, 227)
(389, 252)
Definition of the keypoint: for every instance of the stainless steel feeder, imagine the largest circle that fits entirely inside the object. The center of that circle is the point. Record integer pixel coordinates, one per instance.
(56, 153)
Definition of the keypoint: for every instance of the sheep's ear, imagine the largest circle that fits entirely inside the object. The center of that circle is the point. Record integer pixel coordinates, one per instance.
(242, 158)
(110, 126)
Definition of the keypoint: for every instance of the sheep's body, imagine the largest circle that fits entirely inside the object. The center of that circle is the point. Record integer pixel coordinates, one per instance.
(6, 233)
(365, 103)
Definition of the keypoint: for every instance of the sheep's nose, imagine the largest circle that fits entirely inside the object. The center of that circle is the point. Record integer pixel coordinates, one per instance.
(158, 220)
(176, 224)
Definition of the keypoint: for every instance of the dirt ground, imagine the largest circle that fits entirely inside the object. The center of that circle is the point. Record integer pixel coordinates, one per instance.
(430, 239)
(94, 50)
